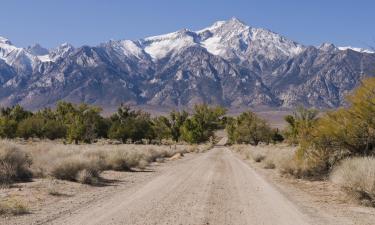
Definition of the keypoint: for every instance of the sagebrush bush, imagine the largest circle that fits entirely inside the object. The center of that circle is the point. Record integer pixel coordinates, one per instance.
(14, 164)
(76, 168)
(78, 163)
(269, 164)
(13, 207)
(87, 176)
(257, 157)
(357, 176)
(122, 160)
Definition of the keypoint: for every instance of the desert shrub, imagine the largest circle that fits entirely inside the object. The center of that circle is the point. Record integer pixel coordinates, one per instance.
(87, 176)
(122, 160)
(8, 128)
(339, 134)
(14, 164)
(54, 129)
(257, 157)
(75, 168)
(84, 163)
(269, 164)
(38, 126)
(13, 207)
(357, 176)
(300, 124)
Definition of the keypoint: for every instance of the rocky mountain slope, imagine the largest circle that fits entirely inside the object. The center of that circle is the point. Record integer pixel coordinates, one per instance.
(229, 63)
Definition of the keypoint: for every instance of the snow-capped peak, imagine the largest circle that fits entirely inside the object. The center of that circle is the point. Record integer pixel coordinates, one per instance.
(327, 47)
(37, 50)
(12, 54)
(361, 50)
(233, 23)
(233, 38)
(4, 40)
(160, 46)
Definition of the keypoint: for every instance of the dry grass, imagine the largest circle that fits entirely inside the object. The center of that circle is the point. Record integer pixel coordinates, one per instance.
(272, 156)
(269, 164)
(80, 163)
(14, 164)
(357, 176)
(281, 157)
(13, 207)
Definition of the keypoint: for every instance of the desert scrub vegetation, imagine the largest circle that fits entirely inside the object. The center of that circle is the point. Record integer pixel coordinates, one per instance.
(14, 164)
(248, 128)
(79, 163)
(335, 135)
(13, 206)
(279, 156)
(357, 176)
(84, 124)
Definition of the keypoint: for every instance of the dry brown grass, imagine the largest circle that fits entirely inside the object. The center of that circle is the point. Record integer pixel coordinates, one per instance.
(82, 163)
(357, 177)
(278, 156)
(14, 164)
(13, 206)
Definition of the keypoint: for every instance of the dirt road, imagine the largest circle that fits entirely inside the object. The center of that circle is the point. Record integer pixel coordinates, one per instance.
(214, 188)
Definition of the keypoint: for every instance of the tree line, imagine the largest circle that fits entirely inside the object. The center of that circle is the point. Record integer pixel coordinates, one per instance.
(82, 123)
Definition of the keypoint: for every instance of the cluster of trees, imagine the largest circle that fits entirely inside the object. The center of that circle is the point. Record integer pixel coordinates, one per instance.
(248, 128)
(84, 123)
(338, 134)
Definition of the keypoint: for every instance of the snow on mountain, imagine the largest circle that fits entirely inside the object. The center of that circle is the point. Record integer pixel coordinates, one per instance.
(161, 46)
(37, 50)
(327, 47)
(15, 56)
(234, 38)
(61, 51)
(228, 39)
(229, 63)
(361, 50)
(126, 48)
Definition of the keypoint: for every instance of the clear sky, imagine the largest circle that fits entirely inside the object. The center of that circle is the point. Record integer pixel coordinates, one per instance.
(310, 22)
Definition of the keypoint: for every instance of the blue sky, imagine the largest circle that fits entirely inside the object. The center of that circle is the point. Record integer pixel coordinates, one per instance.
(48, 22)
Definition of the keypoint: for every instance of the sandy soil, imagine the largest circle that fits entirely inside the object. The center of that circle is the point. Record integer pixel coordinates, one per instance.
(216, 187)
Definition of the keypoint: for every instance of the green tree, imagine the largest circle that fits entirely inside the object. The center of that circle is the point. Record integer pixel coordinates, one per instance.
(177, 119)
(84, 123)
(130, 124)
(300, 124)
(201, 125)
(249, 128)
(8, 127)
(162, 128)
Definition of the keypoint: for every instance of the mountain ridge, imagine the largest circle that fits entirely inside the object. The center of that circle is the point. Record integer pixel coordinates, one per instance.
(228, 63)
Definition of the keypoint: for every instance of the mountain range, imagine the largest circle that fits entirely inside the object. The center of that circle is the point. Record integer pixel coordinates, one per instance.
(229, 64)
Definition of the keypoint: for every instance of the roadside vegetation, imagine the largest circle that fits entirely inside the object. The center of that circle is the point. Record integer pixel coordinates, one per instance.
(80, 163)
(132, 140)
(248, 128)
(338, 145)
(84, 124)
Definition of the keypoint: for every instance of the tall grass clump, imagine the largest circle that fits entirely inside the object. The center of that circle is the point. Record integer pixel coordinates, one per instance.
(13, 207)
(77, 168)
(357, 177)
(14, 164)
